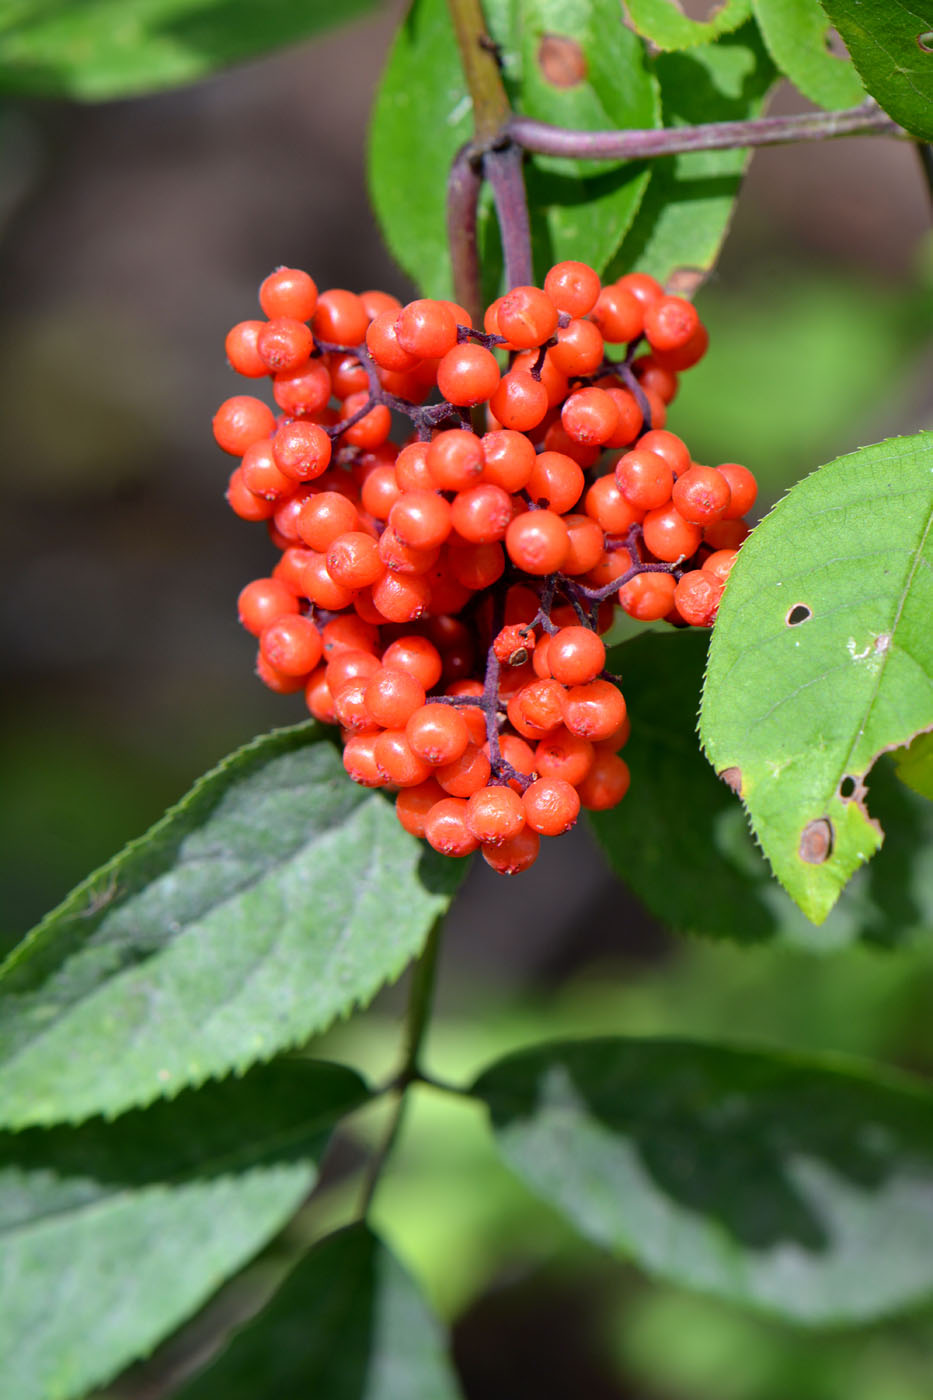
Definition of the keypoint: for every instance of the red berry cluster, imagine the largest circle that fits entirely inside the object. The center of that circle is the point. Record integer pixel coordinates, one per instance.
(442, 600)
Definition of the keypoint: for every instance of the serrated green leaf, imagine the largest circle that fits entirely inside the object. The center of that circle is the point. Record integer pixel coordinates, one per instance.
(666, 25)
(798, 1186)
(891, 43)
(795, 32)
(822, 658)
(274, 898)
(915, 765)
(646, 836)
(422, 116)
(117, 48)
(348, 1323)
(114, 1233)
(684, 216)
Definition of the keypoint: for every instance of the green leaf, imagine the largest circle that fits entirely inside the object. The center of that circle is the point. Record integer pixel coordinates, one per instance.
(647, 837)
(891, 43)
(822, 658)
(666, 25)
(915, 765)
(348, 1323)
(275, 897)
(422, 116)
(794, 1185)
(684, 217)
(115, 48)
(796, 32)
(114, 1233)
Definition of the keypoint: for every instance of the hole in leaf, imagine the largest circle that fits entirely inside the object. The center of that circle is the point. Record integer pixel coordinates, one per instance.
(797, 614)
(925, 41)
(848, 787)
(816, 841)
(732, 777)
(561, 61)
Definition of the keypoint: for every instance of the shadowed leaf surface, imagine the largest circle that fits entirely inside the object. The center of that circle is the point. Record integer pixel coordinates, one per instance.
(117, 48)
(113, 1233)
(348, 1323)
(274, 898)
(798, 1186)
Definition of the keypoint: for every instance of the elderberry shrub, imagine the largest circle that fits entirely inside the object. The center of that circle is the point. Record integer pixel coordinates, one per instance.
(442, 600)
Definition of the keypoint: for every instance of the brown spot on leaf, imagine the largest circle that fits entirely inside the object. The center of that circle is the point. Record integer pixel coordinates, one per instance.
(732, 777)
(925, 41)
(797, 614)
(686, 281)
(816, 841)
(561, 61)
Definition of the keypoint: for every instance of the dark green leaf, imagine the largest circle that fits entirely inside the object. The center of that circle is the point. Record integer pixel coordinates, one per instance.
(822, 658)
(648, 837)
(275, 897)
(798, 1186)
(683, 219)
(796, 32)
(422, 116)
(915, 765)
(113, 1233)
(666, 25)
(348, 1323)
(114, 48)
(891, 43)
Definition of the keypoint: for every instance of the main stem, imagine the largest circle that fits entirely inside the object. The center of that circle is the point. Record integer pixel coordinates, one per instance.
(417, 1018)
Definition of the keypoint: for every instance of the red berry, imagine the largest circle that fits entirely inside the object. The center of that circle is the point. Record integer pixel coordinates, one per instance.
(526, 316)
(551, 806)
(438, 733)
(701, 495)
(670, 322)
(556, 482)
(495, 814)
(606, 783)
(516, 854)
(590, 416)
(416, 655)
(576, 655)
(427, 328)
(262, 602)
(241, 421)
(413, 805)
(421, 519)
(292, 645)
(520, 402)
(744, 489)
(242, 351)
(340, 317)
(288, 292)
(446, 828)
(467, 375)
(669, 536)
(284, 344)
(455, 459)
(537, 541)
(697, 596)
(301, 450)
(573, 287)
(644, 479)
(619, 315)
(648, 597)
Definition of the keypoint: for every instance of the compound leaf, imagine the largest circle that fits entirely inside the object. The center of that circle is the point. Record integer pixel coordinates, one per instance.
(116, 48)
(348, 1323)
(573, 64)
(114, 1233)
(684, 216)
(274, 898)
(799, 1186)
(891, 43)
(647, 837)
(822, 658)
(796, 32)
(666, 25)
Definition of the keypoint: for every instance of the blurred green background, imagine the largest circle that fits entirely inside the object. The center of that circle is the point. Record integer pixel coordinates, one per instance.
(133, 235)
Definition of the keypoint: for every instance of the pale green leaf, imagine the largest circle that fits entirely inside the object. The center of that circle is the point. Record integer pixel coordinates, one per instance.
(99, 49)
(684, 216)
(798, 1186)
(422, 116)
(796, 33)
(274, 898)
(114, 1233)
(915, 765)
(646, 836)
(822, 658)
(666, 25)
(891, 43)
(348, 1323)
